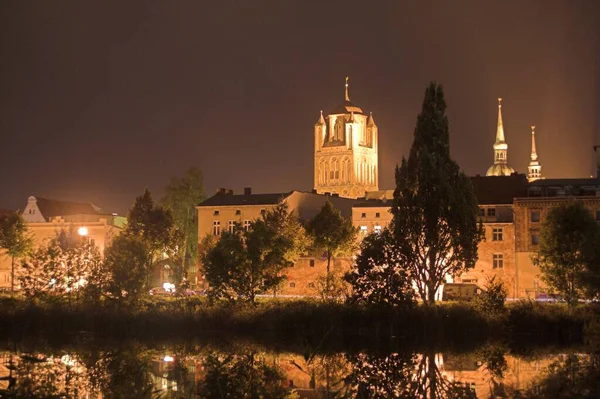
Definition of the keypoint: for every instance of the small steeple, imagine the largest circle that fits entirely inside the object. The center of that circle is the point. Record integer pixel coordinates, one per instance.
(346, 96)
(500, 129)
(534, 170)
(370, 120)
(321, 121)
(533, 150)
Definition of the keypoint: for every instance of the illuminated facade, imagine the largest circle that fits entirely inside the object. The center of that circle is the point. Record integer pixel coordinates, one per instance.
(345, 154)
(500, 166)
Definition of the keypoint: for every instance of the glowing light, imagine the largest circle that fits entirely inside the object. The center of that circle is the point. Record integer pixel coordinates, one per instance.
(83, 231)
(168, 358)
(169, 287)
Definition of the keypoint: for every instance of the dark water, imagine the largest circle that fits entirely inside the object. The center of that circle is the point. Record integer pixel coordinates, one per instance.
(242, 370)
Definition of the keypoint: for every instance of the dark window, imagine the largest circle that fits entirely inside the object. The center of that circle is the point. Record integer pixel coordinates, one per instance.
(311, 285)
(497, 234)
(263, 211)
(498, 261)
(377, 214)
(238, 212)
(535, 237)
(216, 213)
(481, 211)
(292, 285)
(491, 211)
(535, 216)
(312, 263)
(363, 215)
(598, 215)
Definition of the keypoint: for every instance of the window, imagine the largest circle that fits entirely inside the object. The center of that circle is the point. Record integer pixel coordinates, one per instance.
(535, 216)
(292, 285)
(238, 212)
(598, 215)
(491, 212)
(481, 212)
(216, 212)
(246, 225)
(377, 228)
(363, 215)
(263, 211)
(497, 261)
(535, 237)
(377, 214)
(311, 285)
(312, 263)
(216, 228)
(230, 226)
(497, 234)
(363, 231)
(192, 269)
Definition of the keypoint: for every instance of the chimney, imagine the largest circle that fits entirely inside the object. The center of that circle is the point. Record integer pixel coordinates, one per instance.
(247, 190)
(221, 191)
(229, 192)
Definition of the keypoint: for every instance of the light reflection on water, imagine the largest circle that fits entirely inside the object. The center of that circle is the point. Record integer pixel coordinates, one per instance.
(185, 371)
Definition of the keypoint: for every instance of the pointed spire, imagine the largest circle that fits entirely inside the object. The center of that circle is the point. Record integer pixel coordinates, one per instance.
(346, 96)
(370, 120)
(321, 121)
(533, 150)
(500, 129)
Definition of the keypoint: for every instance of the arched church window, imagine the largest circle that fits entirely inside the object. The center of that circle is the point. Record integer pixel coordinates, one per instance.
(339, 129)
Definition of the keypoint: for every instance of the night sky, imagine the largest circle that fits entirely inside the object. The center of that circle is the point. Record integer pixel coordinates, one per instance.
(99, 100)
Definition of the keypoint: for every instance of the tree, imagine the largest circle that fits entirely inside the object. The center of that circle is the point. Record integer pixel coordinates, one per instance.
(62, 267)
(243, 264)
(15, 239)
(379, 276)
(126, 260)
(153, 225)
(331, 233)
(435, 210)
(568, 256)
(181, 197)
(492, 299)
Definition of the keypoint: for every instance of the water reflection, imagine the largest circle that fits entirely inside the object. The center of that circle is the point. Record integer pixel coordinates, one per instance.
(137, 371)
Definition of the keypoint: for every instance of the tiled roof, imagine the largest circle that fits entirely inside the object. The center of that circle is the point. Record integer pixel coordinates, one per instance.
(244, 199)
(499, 190)
(51, 208)
(374, 203)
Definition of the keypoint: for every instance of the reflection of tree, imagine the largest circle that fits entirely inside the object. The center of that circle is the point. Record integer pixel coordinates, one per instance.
(573, 376)
(328, 374)
(403, 376)
(241, 376)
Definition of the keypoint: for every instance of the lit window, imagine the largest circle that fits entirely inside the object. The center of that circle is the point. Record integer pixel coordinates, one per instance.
(230, 226)
(497, 234)
(192, 269)
(377, 228)
(312, 263)
(535, 216)
(491, 212)
(363, 215)
(216, 212)
(311, 285)
(246, 225)
(377, 214)
(216, 228)
(535, 237)
(498, 261)
(238, 212)
(363, 230)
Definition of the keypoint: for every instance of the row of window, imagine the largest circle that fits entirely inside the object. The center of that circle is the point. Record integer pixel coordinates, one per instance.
(490, 212)
(230, 226)
(238, 212)
(310, 285)
(364, 215)
(364, 230)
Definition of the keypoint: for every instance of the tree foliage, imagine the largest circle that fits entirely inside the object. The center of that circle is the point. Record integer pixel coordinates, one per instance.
(569, 252)
(15, 239)
(242, 264)
(331, 233)
(182, 195)
(126, 260)
(379, 276)
(492, 299)
(435, 210)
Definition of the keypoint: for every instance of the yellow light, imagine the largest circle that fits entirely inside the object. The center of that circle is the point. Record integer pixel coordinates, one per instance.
(83, 231)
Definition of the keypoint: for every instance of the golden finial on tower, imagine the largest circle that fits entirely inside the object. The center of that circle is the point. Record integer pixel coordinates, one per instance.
(499, 101)
(346, 96)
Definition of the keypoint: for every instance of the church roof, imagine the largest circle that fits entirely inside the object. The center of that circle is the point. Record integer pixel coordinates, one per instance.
(346, 107)
(498, 190)
(500, 169)
(51, 208)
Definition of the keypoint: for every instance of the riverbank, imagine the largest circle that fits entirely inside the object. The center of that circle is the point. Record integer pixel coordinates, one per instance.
(296, 322)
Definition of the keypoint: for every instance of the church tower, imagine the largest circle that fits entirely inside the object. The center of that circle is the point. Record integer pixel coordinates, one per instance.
(345, 158)
(500, 166)
(534, 170)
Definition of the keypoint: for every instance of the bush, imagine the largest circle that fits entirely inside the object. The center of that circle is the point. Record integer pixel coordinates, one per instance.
(491, 301)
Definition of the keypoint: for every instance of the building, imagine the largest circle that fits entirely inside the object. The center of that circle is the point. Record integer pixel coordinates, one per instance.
(45, 217)
(345, 155)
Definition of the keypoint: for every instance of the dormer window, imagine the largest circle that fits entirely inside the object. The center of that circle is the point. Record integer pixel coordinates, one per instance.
(216, 212)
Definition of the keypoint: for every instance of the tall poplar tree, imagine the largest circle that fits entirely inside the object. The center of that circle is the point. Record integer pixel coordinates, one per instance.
(15, 239)
(435, 209)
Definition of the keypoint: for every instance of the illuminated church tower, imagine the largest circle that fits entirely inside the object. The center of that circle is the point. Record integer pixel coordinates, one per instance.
(346, 151)
(500, 166)
(534, 170)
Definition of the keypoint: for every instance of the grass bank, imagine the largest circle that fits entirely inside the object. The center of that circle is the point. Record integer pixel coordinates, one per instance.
(451, 325)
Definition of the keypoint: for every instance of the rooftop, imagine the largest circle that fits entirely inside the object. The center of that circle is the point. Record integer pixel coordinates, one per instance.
(499, 190)
(51, 208)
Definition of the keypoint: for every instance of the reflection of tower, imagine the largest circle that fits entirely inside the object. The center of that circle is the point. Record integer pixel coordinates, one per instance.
(500, 166)
(345, 157)
(534, 170)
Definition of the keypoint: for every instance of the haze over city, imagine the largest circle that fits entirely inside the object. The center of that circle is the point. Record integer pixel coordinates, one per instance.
(99, 101)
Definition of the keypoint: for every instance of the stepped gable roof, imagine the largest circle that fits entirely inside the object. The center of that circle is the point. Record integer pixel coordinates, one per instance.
(228, 199)
(51, 208)
(499, 190)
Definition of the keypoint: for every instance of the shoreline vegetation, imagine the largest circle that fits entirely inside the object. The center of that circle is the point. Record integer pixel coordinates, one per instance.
(294, 324)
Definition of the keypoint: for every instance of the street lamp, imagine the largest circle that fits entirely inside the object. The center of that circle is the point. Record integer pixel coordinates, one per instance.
(83, 231)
